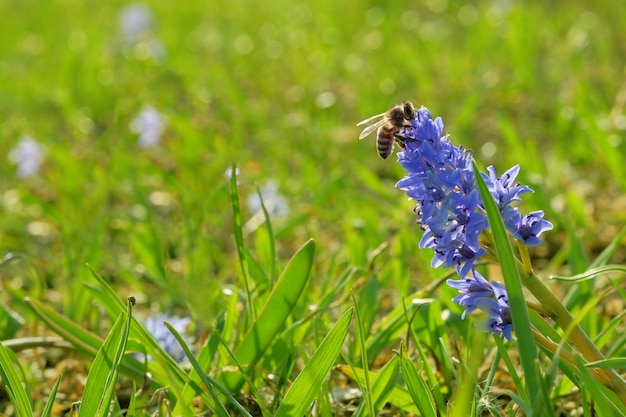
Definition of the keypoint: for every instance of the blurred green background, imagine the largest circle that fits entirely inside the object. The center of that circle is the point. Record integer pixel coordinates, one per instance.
(277, 88)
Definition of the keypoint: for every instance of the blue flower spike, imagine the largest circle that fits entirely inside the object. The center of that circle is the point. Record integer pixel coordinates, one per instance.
(449, 210)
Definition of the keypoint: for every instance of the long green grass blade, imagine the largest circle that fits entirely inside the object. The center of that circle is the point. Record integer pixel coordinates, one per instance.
(83, 340)
(277, 308)
(270, 237)
(18, 395)
(102, 377)
(204, 359)
(422, 397)
(307, 384)
(209, 382)
(366, 385)
(521, 320)
(47, 410)
(238, 231)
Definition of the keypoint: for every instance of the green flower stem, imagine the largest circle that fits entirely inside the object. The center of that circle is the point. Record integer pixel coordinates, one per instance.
(578, 338)
(523, 251)
(550, 346)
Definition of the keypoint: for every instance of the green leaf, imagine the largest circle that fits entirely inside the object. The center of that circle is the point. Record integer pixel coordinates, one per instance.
(18, 395)
(102, 377)
(277, 308)
(308, 382)
(521, 320)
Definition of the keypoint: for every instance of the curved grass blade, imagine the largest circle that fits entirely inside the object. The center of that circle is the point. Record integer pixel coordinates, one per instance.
(308, 382)
(102, 377)
(521, 320)
(617, 363)
(591, 273)
(277, 308)
(18, 395)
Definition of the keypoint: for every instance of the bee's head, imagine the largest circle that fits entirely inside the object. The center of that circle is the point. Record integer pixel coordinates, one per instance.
(409, 111)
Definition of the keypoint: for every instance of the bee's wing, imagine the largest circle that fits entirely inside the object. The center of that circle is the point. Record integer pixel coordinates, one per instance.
(371, 119)
(373, 123)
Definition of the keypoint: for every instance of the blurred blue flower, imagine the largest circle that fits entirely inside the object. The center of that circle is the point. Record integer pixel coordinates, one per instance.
(28, 155)
(149, 125)
(135, 20)
(154, 324)
(137, 26)
(275, 203)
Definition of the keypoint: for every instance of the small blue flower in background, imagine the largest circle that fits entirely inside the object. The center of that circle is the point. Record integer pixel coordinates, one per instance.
(28, 155)
(275, 203)
(135, 20)
(149, 124)
(449, 209)
(137, 29)
(154, 324)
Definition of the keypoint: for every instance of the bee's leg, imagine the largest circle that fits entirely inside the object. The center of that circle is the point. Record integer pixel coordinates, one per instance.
(401, 140)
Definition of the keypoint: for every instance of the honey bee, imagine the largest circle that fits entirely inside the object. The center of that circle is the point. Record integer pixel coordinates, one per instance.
(388, 126)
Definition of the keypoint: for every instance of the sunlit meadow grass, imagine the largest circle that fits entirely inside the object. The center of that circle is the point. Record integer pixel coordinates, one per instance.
(355, 319)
